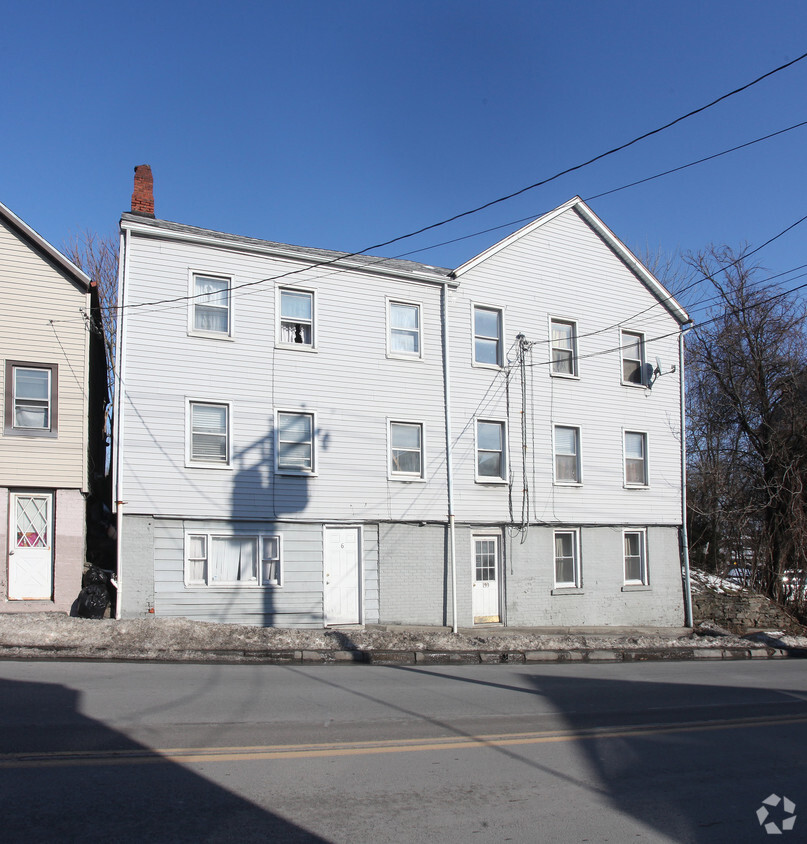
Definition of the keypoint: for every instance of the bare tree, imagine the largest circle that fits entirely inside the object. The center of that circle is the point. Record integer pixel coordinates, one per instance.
(748, 426)
(97, 256)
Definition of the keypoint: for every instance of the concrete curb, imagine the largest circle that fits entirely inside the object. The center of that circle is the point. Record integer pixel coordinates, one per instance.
(390, 657)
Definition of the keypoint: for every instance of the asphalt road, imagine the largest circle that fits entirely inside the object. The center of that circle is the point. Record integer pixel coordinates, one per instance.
(555, 753)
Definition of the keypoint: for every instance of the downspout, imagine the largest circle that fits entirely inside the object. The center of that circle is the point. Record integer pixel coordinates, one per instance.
(123, 263)
(684, 533)
(449, 458)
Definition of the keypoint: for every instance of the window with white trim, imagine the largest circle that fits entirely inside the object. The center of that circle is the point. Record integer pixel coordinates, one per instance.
(632, 344)
(404, 330)
(635, 557)
(567, 455)
(294, 442)
(209, 427)
(232, 560)
(296, 318)
(31, 399)
(567, 559)
(487, 336)
(210, 305)
(406, 450)
(635, 458)
(490, 451)
(564, 347)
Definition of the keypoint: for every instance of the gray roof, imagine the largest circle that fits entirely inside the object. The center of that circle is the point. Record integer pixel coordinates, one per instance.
(396, 265)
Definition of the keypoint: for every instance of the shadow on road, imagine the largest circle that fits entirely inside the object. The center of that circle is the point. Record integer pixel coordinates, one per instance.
(46, 794)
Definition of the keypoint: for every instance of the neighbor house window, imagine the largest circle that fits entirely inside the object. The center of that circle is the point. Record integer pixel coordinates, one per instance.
(635, 557)
(209, 433)
(490, 454)
(404, 329)
(214, 560)
(211, 305)
(632, 358)
(295, 442)
(406, 449)
(635, 458)
(31, 399)
(487, 336)
(567, 559)
(564, 348)
(297, 318)
(567, 455)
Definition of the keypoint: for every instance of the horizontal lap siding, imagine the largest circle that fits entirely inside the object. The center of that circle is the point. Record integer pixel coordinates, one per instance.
(41, 321)
(564, 270)
(349, 383)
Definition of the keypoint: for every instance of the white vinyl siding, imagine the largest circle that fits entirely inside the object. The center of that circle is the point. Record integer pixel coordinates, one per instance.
(564, 347)
(632, 344)
(404, 330)
(296, 326)
(209, 433)
(491, 464)
(567, 455)
(406, 450)
(635, 557)
(295, 442)
(232, 560)
(636, 459)
(567, 559)
(487, 327)
(210, 305)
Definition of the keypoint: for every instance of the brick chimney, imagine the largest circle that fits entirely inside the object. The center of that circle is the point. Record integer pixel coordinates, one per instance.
(143, 195)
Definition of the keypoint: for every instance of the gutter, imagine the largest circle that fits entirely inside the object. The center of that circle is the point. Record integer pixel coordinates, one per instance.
(449, 457)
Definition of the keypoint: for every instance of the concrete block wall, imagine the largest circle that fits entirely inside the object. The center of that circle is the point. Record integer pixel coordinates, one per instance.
(136, 567)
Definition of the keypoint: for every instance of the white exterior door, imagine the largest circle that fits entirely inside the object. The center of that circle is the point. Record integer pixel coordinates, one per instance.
(342, 575)
(485, 585)
(30, 552)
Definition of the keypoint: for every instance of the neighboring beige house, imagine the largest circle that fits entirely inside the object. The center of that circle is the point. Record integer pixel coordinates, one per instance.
(46, 393)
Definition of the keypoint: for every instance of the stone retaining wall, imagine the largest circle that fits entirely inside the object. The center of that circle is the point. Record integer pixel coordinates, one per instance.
(743, 612)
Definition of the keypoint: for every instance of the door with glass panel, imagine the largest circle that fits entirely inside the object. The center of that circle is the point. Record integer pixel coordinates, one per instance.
(485, 587)
(30, 552)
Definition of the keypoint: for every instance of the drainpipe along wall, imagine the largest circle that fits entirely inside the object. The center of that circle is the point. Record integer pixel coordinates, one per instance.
(449, 458)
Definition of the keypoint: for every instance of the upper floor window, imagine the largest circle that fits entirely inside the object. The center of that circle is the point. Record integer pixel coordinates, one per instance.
(404, 330)
(295, 442)
(296, 318)
(635, 458)
(209, 433)
(564, 347)
(567, 455)
(632, 358)
(635, 557)
(211, 305)
(487, 336)
(567, 558)
(406, 450)
(490, 453)
(213, 560)
(31, 399)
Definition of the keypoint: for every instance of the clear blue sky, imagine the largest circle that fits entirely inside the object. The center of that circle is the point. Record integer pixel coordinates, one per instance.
(344, 124)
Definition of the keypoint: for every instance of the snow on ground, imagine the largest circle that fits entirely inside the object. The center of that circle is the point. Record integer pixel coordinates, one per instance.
(702, 581)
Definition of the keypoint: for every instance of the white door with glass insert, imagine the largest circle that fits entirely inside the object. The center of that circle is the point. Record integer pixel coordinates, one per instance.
(485, 586)
(342, 575)
(30, 552)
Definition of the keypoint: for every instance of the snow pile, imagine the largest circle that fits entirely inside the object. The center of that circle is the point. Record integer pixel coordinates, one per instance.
(702, 581)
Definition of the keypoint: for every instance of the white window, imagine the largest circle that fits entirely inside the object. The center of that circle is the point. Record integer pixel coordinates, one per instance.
(490, 451)
(635, 557)
(215, 560)
(209, 433)
(30, 399)
(210, 305)
(567, 559)
(632, 358)
(404, 330)
(487, 336)
(635, 458)
(406, 450)
(295, 442)
(567, 455)
(564, 347)
(296, 318)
